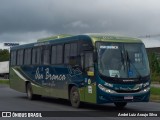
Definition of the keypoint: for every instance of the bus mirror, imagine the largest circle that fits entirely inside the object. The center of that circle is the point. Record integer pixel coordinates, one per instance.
(90, 73)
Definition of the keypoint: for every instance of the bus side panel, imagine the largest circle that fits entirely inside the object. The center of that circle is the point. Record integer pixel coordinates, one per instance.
(40, 90)
(50, 91)
(82, 94)
(88, 92)
(59, 93)
(91, 93)
(16, 82)
(48, 80)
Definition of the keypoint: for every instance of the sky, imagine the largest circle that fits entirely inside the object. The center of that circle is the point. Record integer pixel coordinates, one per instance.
(26, 21)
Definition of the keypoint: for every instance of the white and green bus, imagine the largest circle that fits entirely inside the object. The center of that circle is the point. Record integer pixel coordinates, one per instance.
(83, 68)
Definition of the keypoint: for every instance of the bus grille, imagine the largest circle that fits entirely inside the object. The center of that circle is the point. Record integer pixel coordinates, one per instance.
(127, 91)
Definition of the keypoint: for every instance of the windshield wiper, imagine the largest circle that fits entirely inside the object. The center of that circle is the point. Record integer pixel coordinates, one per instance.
(122, 60)
(130, 62)
(128, 59)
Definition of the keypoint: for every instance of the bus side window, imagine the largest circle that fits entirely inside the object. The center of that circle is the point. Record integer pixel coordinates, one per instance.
(36, 56)
(13, 57)
(70, 54)
(54, 55)
(66, 53)
(73, 54)
(46, 56)
(20, 57)
(59, 54)
(89, 65)
(27, 56)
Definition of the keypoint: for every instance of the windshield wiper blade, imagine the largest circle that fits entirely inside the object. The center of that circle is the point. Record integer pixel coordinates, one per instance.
(128, 59)
(130, 62)
(122, 60)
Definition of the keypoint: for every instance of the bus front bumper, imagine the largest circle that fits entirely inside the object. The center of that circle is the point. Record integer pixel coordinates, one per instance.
(109, 96)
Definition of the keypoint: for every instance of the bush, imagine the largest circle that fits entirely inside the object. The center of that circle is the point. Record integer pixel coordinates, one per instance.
(155, 67)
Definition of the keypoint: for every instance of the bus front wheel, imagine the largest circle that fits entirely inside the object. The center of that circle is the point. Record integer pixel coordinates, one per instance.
(74, 97)
(120, 105)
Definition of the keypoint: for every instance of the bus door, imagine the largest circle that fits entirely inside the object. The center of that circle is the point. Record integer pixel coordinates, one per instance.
(90, 82)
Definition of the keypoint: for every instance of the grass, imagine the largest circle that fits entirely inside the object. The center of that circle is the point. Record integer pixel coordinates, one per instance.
(4, 81)
(155, 91)
(155, 94)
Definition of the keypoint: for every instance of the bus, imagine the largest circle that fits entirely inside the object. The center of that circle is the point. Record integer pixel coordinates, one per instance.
(94, 68)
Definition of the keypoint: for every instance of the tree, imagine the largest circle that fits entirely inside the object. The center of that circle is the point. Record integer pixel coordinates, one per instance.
(4, 55)
(154, 66)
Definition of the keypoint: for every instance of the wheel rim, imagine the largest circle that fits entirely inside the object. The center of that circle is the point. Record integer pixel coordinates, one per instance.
(75, 98)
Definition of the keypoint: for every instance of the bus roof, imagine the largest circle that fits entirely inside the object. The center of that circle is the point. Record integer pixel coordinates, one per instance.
(89, 37)
(111, 38)
(53, 37)
(94, 38)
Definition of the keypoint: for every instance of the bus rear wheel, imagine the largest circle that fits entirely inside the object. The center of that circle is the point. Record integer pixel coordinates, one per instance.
(120, 105)
(75, 97)
(30, 94)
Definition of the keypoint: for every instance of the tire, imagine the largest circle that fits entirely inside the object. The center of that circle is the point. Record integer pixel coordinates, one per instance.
(120, 105)
(75, 97)
(30, 94)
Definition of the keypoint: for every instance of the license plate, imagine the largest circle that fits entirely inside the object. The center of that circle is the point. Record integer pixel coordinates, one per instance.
(128, 97)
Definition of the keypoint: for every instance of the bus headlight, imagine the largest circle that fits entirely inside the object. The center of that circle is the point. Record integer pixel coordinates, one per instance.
(146, 84)
(105, 89)
(108, 84)
(146, 89)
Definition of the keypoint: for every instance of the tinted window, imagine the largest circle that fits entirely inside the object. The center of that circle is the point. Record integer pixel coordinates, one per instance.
(53, 57)
(13, 58)
(66, 53)
(46, 56)
(20, 57)
(70, 53)
(36, 56)
(27, 57)
(88, 59)
(59, 54)
(73, 51)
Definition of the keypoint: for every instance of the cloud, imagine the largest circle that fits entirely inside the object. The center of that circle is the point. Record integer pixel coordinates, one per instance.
(26, 37)
(18, 18)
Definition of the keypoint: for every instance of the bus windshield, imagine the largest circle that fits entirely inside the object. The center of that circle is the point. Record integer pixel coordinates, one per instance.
(122, 60)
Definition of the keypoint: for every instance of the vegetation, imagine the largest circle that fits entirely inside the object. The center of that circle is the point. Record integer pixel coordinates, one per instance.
(155, 91)
(155, 94)
(4, 55)
(155, 67)
(4, 82)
